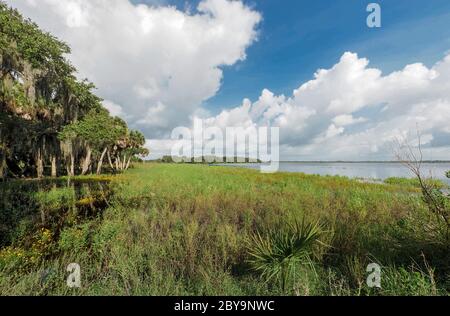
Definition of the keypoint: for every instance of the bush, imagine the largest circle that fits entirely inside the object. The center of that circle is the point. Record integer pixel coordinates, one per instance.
(276, 255)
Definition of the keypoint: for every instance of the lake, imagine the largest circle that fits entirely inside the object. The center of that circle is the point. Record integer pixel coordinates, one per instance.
(366, 170)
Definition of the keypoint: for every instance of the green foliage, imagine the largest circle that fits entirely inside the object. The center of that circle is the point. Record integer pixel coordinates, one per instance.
(404, 281)
(41, 49)
(46, 113)
(97, 128)
(75, 238)
(277, 255)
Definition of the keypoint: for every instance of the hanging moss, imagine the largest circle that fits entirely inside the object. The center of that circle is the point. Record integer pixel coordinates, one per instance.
(47, 116)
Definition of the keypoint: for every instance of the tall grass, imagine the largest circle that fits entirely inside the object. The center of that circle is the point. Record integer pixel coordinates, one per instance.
(199, 230)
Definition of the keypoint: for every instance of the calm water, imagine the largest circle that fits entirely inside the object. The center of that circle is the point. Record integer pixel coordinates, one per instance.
(359, 169)
(23, 212)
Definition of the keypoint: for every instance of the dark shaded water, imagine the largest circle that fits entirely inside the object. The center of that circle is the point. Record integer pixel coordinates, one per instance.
(364, 170)
(28, 205)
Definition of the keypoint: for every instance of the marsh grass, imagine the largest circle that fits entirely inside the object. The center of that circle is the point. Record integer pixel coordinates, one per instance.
(191, 230)
(414, 182)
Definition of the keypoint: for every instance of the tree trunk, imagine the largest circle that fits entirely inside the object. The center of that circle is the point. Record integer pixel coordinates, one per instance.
(3, 166)
(54, 168)
(43, 217)
(2, 157)
(70, 165)
(124, 162)
(69, 158)
(118, 163)
(110, 161)
(39, 164)
(100, 162)
(128, 163)
(87, 161)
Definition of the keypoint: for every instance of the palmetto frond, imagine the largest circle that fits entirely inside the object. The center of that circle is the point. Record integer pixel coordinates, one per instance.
(275, 253)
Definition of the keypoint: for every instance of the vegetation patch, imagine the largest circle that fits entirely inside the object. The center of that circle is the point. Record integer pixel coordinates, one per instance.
(170, 229)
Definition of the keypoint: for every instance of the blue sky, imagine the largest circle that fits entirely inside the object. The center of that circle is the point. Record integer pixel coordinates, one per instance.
(160, 65)
(298, 37)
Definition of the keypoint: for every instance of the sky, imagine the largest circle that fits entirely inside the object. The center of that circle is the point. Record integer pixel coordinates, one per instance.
(337, 89)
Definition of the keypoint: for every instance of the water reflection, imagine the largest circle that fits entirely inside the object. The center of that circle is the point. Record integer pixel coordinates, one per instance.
(29, 205)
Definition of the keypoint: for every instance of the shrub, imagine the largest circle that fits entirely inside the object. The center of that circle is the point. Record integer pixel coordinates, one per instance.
(275, 255)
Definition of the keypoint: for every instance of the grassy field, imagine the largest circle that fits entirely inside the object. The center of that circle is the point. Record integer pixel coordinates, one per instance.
(165, 229)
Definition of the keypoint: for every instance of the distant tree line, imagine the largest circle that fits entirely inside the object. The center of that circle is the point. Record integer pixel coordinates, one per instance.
(204, 160)
(50, 122)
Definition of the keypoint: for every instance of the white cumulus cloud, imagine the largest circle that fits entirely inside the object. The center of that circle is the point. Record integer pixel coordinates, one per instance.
(156, 62)
(352, 111)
